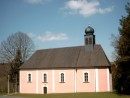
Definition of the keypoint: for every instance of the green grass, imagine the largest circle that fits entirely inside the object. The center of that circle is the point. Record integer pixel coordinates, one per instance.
(74, 95)
(2, 94)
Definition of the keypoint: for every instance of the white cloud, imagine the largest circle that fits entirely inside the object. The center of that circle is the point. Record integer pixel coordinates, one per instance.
(31, 35)
(85, 8)
(49, 36)
(36, 1)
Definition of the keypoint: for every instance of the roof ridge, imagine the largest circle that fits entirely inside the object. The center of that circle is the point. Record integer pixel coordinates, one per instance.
(58, 48)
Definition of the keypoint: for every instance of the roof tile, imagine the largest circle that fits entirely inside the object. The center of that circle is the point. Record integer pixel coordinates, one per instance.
(68, 57)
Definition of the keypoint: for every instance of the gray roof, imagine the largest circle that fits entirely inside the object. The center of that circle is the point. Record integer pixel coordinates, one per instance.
(68, 57)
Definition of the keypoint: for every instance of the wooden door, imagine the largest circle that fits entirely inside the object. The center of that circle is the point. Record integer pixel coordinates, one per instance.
(45, 90)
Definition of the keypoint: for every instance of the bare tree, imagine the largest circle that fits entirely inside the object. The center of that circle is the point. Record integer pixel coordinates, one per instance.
(114, 43)
(17, 41)
(14, 51)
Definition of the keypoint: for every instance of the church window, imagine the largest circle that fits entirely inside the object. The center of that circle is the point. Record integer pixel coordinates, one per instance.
(62, 77)
(44, 77)
(29, 77)
(90, 41)
(86, 77)
(86, 41)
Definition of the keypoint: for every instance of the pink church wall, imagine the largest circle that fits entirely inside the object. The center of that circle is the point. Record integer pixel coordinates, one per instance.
(25, 86)
(72, 83)
(41, 84)
(102, 80)
(68, 86)
(85, 87)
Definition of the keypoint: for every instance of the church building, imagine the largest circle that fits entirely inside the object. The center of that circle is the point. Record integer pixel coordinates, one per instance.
(68, 70)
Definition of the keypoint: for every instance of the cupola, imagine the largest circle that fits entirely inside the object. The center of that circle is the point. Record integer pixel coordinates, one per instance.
(89, 38)
(89, 30)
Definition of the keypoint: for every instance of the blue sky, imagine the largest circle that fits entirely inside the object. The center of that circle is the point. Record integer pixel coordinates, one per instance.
(61, 23)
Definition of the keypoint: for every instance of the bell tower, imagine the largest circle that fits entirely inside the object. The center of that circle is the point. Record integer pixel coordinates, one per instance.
(89, 38)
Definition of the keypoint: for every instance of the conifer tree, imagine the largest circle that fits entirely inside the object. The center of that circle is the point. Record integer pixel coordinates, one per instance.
(122, 73)
(15, 64)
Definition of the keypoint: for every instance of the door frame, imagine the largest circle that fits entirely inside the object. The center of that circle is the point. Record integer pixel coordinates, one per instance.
(43, 89)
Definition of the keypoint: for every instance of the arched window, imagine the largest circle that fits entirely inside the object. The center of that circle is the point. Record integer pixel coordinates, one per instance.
(62, 78)
(90, 40)
(44, 77)
(86, 41)
(85, 77)
(29, 78)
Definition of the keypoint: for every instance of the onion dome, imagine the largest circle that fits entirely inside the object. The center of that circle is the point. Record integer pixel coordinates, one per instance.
(89, 30)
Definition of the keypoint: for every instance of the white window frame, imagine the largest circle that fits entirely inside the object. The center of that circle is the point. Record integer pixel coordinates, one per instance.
(28, 77)
(84, 77)
(43, 77)
(60, 77)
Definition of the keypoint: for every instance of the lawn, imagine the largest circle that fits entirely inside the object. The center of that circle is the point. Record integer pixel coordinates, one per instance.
(2, 94)
(74, 95)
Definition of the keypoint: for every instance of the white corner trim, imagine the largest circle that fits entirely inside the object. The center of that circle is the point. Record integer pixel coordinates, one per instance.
(108, 80)
(75, 82)
(37, 81)
(96, 79)
(53, 80)
(20, 81)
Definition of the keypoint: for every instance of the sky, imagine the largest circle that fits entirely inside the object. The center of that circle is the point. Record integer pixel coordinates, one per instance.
(62, 23)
